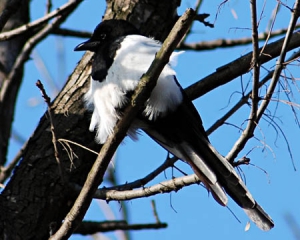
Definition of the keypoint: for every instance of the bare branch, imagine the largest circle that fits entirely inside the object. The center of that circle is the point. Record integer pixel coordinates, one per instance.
(143, 181)
(48, 6)
(71, 33)
(153, 205)
(203, 45)
(59, 11)
(54, 138)
(244, 100)
(255, 65)
(226, 43)
(252, 123)
(89, 227)
(168, 186)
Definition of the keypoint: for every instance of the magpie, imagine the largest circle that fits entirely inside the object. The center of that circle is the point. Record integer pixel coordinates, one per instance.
(122, 56)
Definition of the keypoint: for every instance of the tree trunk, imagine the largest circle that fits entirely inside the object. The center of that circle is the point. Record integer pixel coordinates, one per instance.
(35, 201)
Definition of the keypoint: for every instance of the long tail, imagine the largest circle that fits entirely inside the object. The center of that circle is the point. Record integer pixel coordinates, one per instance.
(225, 176)
(181, 133)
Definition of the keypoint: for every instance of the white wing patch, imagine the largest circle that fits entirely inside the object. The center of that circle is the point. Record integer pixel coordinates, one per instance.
(131, 62)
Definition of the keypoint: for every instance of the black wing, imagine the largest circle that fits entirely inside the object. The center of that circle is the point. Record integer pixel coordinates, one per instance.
(181, 133)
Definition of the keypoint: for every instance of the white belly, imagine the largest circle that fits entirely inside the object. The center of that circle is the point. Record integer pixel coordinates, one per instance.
(123, 76)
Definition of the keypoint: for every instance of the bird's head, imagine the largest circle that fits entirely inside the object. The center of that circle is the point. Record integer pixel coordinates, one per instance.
(106, 32)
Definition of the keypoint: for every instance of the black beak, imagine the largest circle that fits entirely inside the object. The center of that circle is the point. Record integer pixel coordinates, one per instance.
(89, 45)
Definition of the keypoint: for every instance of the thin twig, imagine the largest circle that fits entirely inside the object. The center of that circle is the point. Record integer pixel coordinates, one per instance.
(153, 205)
(269, 35)
(71, 33)
(143, 181)
(244, 99)
(48, 6)
(62, 140)
(54, 138)
(196, 8)
(236, 107)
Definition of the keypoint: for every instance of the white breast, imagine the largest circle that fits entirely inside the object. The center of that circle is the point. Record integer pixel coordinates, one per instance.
(131, 62)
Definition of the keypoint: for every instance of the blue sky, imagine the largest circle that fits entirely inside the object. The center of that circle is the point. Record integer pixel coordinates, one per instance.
(190, 213)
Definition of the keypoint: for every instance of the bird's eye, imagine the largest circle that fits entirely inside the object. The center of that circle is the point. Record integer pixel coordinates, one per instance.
(102, 36)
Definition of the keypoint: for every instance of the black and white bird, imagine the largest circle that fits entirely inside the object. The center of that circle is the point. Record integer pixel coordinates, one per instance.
(121, 57)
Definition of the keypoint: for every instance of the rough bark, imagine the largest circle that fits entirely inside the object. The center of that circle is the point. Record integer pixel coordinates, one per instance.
(9, 50)
(35, 200)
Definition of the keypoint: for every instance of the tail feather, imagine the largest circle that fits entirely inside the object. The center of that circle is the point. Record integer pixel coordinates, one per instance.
(216, 173)
(260, 217)
(204, 173)
(235, 187)
(227, 175)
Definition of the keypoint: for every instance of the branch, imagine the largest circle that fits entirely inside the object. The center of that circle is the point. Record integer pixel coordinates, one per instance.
(255, 64)
(226, 43)
(137, 183)
(245, 98)
(143, 181)
(238, 67)
(89, 227)
(237, 106)
(141, 94)
(256, 73)
(199, 46)
(27, 27)
(168, 186)
(52, 128)
(71, 33)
